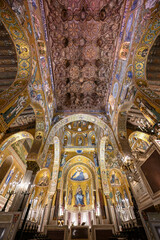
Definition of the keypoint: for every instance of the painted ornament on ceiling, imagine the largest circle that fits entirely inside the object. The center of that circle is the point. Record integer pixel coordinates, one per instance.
(82, 43)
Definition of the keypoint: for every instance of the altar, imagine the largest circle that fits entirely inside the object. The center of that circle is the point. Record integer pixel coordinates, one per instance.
(96, 232)
(79, 233)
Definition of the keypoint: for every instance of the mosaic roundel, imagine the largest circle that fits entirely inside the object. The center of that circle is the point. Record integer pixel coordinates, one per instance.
(7, 17)
(16, 32)
(22, 49)
(23, 73)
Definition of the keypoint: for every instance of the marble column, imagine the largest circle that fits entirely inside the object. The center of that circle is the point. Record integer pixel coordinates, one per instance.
(114, 218)
(107, 205)
(109, 210)
(93, 217)
(65, 217)
(21, 189)
(42, 218)
(51, 214)
(52, 208)
(46, 214)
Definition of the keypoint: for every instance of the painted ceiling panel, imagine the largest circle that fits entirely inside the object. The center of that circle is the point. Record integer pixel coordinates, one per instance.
(82, 38)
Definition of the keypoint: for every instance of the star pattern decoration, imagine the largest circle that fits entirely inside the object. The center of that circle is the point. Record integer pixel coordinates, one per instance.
(82, 42)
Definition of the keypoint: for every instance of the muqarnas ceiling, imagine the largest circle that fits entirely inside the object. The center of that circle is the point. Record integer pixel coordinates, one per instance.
(82, 39)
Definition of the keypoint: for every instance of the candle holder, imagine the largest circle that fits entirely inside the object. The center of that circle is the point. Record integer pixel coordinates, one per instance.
(25, 193)
(5, 205)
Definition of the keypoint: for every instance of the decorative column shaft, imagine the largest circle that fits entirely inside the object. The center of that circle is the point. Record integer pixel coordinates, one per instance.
(24, 186)
(46, 214)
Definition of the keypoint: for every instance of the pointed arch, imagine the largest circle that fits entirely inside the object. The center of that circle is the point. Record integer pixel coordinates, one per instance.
(76, 117)
(14, 138)
(102, 165)
(140, 61)
(16, 97)
(107, 131)
(55, 170)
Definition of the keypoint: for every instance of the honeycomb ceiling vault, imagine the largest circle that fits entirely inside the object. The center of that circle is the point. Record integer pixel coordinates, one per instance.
(82, 40)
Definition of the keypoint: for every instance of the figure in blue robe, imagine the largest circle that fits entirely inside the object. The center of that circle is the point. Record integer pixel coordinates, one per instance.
(78, 176)
(95, 160)
(112, 178)
(79, 197)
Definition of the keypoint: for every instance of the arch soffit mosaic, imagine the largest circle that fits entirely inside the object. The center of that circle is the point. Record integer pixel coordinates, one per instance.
(76, 117)
(140, 135)
(139, 72)
(17, 94)
(140, 60)
(14, 138)
(102, 164)
(122, 129)
(10, 159)
(55, 168)
(24, 55)
(39, 131)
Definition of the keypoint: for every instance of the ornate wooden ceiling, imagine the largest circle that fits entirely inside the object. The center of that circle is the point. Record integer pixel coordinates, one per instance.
(8, 59)
(152, 70)
(82, 38)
